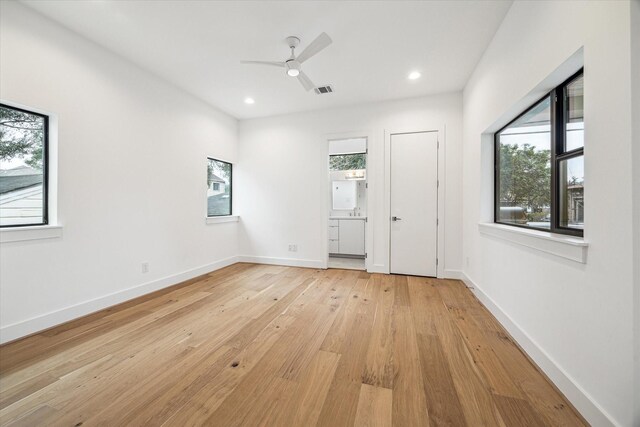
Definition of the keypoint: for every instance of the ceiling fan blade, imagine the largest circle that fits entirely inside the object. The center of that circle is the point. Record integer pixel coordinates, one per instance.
(274, 63)
(322, 41)
(305, 81)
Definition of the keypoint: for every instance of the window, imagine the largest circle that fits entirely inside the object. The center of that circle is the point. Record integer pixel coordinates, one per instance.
(219, 176)
(539, 163)
(343, 162)
(23, 167)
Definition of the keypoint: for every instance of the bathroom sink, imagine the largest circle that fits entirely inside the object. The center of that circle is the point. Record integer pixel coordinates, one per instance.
(348, 217)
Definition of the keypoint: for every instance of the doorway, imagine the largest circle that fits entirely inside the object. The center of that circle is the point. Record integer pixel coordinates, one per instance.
(414, 203)
(347, 183)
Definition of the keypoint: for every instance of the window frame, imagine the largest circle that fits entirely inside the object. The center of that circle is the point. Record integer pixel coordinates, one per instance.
(230, 189)
(557, 155)
(45, 170)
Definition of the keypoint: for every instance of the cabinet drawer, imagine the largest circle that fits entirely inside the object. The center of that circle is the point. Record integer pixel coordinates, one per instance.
(334, 246)
(334, 233)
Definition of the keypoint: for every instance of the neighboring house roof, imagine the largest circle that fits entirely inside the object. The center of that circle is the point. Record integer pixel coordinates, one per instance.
(19, 178)
(215, 178)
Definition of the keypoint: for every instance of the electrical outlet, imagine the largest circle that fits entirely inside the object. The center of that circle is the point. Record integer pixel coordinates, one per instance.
(293, 248)
(145, 267)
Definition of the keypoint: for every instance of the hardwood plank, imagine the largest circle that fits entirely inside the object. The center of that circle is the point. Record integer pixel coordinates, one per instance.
(336, 336)
(38, 416)
(476, 400)
(409, 401)
(442, 399)
(24, 389)
(517, 412)
(304, 406)
(374, 407)
(341, 404)
(427, 306)
(401, 290)
(378, 368)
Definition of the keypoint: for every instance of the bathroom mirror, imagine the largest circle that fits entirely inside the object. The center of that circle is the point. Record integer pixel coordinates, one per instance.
(345, 195)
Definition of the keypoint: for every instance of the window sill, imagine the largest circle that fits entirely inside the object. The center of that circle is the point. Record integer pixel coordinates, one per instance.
(36, 232)
(221, 219)
(569, 247)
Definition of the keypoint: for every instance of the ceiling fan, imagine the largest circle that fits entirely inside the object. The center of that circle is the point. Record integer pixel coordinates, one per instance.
(293, 65)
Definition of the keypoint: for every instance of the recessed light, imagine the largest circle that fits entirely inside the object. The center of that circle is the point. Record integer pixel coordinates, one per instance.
(414, 75)
(249, 101)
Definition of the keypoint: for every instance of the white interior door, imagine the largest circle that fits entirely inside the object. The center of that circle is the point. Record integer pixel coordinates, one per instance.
(414, 203)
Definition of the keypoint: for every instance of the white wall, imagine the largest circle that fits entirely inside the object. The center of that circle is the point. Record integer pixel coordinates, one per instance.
(132, 178)
(576, 318)
(282, 179)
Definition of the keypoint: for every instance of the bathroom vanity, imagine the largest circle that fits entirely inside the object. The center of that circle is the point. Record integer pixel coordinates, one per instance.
(346, 235)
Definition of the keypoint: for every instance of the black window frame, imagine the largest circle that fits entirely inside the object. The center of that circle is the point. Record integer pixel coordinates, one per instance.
(45, 169)
(557, 155)
(230, 188)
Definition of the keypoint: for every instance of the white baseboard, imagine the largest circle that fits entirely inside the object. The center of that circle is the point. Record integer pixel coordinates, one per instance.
(378, 268)
(452, 274)
(289, 262)
(48, 320)
(583, 402)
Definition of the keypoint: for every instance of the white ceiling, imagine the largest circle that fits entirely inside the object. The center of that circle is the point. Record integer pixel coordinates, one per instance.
(198, 46)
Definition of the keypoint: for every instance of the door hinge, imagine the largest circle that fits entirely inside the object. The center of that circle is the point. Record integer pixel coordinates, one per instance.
(437, 221)
(366, 255)
(438, 143)
(436, 261)
(366, 220)
(438, 183)
(366, 185)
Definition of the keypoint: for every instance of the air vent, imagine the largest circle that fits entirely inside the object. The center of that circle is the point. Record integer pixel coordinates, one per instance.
(323, 89)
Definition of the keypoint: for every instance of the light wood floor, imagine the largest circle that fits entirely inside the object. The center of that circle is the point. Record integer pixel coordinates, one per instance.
(278, 346)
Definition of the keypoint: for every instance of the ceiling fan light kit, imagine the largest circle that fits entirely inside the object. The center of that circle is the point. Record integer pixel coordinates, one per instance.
(293, 65)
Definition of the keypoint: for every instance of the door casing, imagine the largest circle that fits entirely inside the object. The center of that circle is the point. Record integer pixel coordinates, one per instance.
(441, 132)
(324, 170)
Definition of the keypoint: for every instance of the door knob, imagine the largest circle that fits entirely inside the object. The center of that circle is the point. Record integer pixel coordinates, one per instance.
(395, 218)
